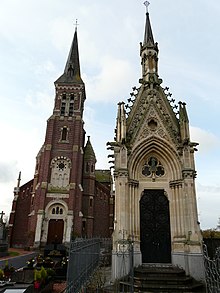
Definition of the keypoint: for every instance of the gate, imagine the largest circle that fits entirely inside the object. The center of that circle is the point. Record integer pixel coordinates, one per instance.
(155, 227)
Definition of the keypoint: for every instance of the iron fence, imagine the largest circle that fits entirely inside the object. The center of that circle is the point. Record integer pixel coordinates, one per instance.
(84, 257)
(212, 271)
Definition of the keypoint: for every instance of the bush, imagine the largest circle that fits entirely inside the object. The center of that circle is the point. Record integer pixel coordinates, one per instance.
(211, 233)
(1, 274)
(43, 274)
(37, 275)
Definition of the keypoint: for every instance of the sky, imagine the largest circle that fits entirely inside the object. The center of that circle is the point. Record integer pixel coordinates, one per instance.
(35, 38)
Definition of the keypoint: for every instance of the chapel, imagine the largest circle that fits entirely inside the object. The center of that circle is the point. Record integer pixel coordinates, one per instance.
(154, 176)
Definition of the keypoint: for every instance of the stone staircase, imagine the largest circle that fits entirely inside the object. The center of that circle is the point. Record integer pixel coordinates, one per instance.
(163, 279)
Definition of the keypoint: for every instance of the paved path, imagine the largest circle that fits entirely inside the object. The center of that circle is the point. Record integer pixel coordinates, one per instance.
(18, 261)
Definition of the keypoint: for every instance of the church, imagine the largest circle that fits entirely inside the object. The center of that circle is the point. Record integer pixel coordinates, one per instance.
(153, 205)
(67, 196)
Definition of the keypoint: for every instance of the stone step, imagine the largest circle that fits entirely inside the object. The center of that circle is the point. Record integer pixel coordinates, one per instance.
(164, 278)
(151, 288)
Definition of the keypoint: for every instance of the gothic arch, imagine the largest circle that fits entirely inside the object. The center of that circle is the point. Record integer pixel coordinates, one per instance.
(164, 152)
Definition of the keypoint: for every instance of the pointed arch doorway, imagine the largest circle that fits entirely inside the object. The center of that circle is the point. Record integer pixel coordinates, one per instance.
(155, 227)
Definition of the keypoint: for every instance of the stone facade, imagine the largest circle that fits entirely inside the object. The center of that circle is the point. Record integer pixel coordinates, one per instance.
(154, 172)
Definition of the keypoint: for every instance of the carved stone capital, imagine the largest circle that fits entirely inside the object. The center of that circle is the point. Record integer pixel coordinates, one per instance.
(176, 183)
(133, 182)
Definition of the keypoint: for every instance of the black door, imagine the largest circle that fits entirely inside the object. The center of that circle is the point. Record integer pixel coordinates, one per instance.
(155, 227)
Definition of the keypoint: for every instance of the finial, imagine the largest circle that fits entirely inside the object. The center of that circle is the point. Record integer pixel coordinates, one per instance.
(19, 179)
(146, 3)
(1, 214)
(76, 24)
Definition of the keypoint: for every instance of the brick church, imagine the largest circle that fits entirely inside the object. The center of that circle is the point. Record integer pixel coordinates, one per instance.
(67, 197)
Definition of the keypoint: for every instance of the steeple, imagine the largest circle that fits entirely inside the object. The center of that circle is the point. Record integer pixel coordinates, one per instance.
(149, 53)
(148, 35)
(72, 69)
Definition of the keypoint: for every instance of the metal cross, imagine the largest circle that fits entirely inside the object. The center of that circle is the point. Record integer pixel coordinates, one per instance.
(2, 214)
(147, 3)
(76, 24)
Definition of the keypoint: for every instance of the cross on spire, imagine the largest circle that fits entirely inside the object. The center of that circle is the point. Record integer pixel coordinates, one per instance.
(2, 214)
(76, 24)
(146, 3)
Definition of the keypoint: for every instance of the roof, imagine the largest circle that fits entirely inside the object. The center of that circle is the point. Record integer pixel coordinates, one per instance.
(72, 69)
(103, 176)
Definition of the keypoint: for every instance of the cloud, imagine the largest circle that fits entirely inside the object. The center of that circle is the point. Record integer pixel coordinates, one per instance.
(208, 205)
(208, 189)
(40, 100)
(207, 140)
(111, 82)
(7, 171)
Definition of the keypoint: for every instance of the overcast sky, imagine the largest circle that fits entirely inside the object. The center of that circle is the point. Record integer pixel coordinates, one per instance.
(35, 38)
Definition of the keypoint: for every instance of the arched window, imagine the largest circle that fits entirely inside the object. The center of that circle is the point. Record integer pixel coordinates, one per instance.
(63, 105)
(57, 209)
(67, 105)
(64, 133)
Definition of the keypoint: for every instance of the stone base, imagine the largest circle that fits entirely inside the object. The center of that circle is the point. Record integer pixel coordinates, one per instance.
(192, 263)
(121, 263)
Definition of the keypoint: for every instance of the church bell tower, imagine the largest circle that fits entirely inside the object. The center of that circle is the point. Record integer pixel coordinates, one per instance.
(154, 173)
(56, 208)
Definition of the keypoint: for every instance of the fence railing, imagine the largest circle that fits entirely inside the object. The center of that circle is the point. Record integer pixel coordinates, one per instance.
(212, 271)
(84, 257)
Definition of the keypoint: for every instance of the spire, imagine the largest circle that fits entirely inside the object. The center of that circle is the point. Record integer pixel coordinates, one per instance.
(121, 124)
(148, 35)
(72, 69)
(89, 153)
(149, 53)
(184, 122)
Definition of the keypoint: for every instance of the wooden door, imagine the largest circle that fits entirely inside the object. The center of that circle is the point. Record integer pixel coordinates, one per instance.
(55, 232)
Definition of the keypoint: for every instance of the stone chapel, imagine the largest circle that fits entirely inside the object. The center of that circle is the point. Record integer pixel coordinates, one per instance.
(67, 197)
(154, 174)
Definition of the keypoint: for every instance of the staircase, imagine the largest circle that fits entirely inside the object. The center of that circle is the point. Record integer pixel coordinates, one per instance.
(163, 279)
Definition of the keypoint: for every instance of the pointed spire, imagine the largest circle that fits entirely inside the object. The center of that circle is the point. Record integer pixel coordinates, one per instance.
(184, 123)
(72, 69)
(149, 54)
(148, 35)
(121, 124)
(89, 153)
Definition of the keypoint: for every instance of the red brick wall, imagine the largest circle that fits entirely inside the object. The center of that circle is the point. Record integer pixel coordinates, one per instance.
(19, 233)
(102, 211)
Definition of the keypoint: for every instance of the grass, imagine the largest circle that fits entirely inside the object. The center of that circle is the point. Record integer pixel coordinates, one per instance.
(13, 253)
